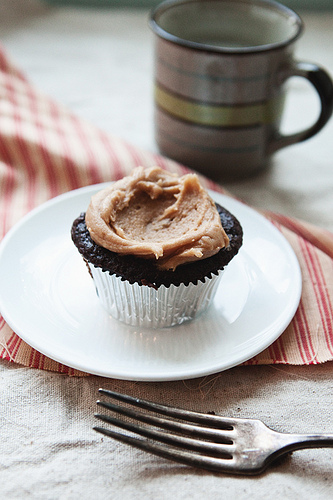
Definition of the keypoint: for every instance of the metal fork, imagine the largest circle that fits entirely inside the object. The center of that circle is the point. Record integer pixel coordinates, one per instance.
(207, 441)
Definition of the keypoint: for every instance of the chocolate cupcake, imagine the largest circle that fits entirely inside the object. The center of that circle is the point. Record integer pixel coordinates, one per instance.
(156, 246)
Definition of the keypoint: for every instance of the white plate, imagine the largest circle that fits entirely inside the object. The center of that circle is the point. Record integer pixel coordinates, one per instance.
(49, 300)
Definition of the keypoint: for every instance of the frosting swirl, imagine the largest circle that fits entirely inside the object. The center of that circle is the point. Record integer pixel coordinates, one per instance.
(154, 214)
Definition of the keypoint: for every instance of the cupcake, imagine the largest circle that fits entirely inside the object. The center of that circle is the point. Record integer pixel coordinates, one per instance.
(156, 246)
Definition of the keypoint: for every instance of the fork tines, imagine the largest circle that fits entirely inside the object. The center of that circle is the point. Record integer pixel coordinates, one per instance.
(192, 438)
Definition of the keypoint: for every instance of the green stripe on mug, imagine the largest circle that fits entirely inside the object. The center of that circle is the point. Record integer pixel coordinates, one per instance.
(215, 115)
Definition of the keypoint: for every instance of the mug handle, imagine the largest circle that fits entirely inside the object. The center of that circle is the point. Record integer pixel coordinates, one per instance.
(324, 86)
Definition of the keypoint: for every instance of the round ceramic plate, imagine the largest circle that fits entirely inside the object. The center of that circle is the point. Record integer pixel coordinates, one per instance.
(48, 298)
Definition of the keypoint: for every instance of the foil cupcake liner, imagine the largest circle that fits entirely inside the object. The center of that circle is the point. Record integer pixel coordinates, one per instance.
(140, 305)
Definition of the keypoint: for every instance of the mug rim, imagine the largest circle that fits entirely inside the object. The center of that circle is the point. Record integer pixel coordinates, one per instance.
(169, 4)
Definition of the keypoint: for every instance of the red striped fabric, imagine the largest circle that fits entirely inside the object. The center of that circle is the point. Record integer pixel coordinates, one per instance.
(45, 150)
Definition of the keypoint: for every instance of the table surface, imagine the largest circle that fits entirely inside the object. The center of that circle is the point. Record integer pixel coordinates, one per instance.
(99, 63)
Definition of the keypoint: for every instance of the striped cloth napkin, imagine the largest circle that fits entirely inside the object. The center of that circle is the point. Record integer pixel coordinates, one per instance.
(45, 150)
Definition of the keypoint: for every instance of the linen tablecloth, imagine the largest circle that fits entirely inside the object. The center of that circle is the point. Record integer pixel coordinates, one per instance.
(48, 449)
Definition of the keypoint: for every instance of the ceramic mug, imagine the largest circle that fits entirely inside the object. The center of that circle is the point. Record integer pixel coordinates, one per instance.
(220, 73)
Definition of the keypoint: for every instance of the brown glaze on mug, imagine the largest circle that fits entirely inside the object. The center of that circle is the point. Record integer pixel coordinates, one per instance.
(220, 73)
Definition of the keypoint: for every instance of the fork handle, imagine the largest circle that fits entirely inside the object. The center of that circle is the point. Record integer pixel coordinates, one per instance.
(303, 441)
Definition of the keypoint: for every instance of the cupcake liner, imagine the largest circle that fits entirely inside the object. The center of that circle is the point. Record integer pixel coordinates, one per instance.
(140, 305)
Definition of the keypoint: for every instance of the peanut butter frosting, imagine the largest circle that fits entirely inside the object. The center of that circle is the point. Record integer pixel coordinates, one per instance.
(154, 214)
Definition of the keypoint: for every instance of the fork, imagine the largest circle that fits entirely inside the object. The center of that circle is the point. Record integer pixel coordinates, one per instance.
(208, 441)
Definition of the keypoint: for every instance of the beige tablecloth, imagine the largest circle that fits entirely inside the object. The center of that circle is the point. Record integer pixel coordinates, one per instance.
(48, 448)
